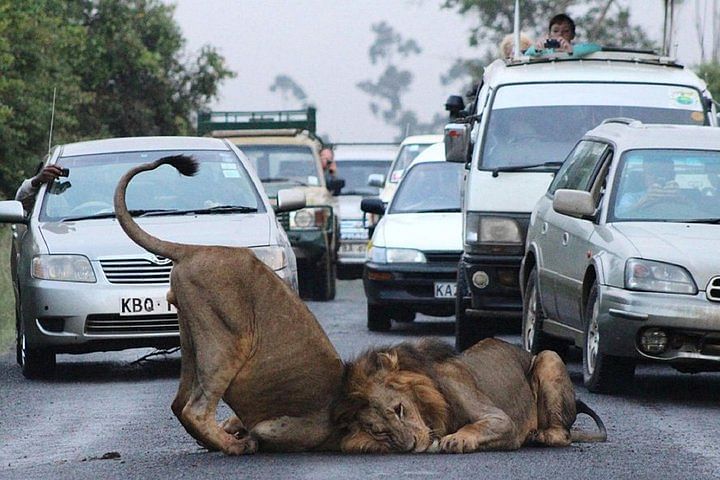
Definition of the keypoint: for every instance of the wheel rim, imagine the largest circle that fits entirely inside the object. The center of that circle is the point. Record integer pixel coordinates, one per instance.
(530, 319)
(593, 339)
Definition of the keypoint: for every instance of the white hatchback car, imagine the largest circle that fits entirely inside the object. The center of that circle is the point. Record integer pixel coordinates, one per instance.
(81, 285)
(621, 256)
(412, 258)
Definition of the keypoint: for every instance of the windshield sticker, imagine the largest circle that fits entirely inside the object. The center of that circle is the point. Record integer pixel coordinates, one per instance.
(313, 180)
(697, 116)
(229, 166)
(683, 98)
(231, 173)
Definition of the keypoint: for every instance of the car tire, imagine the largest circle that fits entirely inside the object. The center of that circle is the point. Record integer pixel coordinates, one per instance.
(377, 319)
(468, 331)
(602, 373)
(324, 280)
(34, 362)
(534, 340)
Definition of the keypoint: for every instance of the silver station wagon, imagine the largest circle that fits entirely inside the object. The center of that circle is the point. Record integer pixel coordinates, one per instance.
(81, 285)
(622, 253)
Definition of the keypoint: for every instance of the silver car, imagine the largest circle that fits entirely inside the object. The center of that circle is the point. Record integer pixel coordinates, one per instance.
(81, 285)
(621, 257)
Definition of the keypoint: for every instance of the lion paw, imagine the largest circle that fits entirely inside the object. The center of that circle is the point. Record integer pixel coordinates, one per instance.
(244, 446)
(458, 443)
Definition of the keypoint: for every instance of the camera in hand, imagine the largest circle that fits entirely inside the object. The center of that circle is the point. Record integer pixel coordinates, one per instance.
(552, 43)
(64, 172)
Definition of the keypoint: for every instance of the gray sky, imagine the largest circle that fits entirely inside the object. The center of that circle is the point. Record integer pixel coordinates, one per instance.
(323, 45)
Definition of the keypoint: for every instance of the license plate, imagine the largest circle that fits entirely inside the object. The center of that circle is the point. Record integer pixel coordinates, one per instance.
(445, 289)
(353, 247)
(354, 234)
(145, 306)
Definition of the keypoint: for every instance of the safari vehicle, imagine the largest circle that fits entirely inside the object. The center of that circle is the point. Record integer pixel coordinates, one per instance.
(285, 152)
(527, 115)
(621, 257)
(81, 285)
(357, 164)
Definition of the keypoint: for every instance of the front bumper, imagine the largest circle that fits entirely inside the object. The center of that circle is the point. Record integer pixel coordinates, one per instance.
(691, 321)
(309, 245)
(410, 286)
(500, 298)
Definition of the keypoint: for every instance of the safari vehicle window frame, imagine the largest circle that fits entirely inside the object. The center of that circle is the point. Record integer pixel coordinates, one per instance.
(488, 110)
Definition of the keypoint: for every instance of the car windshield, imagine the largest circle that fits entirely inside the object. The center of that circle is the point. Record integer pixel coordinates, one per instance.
(667, 185)
(356, 172)
(430, 187)
(405, 156)
(88, 191)
(534, 124)
(273, 163)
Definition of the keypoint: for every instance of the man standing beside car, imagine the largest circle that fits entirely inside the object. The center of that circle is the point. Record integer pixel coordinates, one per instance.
(29, 188)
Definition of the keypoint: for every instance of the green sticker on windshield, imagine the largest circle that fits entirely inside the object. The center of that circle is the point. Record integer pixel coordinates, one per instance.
(684, 97)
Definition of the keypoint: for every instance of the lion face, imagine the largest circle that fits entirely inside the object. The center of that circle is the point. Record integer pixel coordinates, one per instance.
(392, 410)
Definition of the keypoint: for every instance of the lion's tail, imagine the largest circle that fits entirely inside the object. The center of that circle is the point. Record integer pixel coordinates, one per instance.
(586, 437)
(186, 165)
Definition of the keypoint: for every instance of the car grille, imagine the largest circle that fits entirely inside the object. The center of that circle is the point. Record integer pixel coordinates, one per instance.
(114, 324)
(713, 289)
(136, 271)
(443, 257)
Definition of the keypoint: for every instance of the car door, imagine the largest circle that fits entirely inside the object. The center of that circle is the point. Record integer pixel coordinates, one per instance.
(566, 256)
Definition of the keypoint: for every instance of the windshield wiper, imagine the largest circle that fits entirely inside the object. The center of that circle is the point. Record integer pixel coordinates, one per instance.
(714, 221)
(213, 210)
(438, 210)
(88, 217)
(519, 168)
(282, 179)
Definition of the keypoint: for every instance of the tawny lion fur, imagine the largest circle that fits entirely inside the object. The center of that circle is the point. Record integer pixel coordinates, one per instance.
(425, 397)
(245, 338)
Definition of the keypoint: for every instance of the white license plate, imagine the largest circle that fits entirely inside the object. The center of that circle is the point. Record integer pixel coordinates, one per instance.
(145, 306)
(353, 247)
(445, 289)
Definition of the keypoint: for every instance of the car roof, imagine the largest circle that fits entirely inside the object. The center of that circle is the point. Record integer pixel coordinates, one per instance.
(136, 144)
(433, 153)
(421, 139)
(627, 134)
(365, 151)
(626, 67)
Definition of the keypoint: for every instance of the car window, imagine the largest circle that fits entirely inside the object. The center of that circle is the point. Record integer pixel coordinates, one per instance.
(356, 172)
(89, 188)
(666, 185)
(281, 163)
(429, 187)
(536, 123)
(405, 156)
(577, 170)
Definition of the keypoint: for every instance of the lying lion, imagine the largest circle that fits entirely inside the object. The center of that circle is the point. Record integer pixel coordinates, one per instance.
(425, 397)
(245, 337)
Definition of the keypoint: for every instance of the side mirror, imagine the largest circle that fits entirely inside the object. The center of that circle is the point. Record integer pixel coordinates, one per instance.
(376, 180)
(335, 185)
(457, 142)
(576, 203)
(456, 106)
(372, 205)
(290, 199)
(11, 211)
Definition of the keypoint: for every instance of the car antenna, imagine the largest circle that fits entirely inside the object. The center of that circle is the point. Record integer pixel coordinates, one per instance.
(516, 30)
(52, 120)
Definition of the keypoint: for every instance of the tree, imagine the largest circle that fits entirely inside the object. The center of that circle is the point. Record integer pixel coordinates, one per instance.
(394, 82)
(289, 88)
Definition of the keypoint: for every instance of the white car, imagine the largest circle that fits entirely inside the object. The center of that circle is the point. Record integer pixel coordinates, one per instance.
(412, 258)
(356, 163)
(410, 148)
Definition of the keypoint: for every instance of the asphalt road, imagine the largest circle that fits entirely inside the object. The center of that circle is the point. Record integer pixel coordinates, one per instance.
(106, 416)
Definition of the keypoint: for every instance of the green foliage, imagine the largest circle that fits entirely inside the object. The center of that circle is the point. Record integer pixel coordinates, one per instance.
(117, 67)
(287, 87)
(710, 72)
(7, 298)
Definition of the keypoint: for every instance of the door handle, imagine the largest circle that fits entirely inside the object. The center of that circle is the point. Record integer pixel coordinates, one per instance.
(544, 228)
(565, 238)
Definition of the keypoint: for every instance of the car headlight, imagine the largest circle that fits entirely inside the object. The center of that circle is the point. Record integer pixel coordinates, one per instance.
(273, 256)
(64, 268)
(309, 218)
(651, 276)
(394, 255)
(499, 235)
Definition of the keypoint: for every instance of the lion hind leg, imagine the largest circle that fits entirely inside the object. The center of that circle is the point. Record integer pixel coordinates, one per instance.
(495, 430)
(290, 434)
(555, 400)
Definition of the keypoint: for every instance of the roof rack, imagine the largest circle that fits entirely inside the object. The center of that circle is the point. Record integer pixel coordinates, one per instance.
(259, 120)
(629, 55)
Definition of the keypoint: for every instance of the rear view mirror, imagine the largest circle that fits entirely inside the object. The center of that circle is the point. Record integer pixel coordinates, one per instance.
(290, 199)
(11, 211)
(372, 205)
(457, 142)
(376, 180)
(576, 203)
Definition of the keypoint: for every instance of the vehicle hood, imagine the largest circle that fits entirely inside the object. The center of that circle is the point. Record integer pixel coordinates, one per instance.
(422, 231)
(105, 237)
(350, 206)
(693, 246)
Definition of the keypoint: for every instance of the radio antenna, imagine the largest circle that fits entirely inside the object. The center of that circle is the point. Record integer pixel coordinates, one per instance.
(52, 120)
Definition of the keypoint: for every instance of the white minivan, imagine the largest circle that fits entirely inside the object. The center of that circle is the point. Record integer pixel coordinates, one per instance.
(526, 117)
